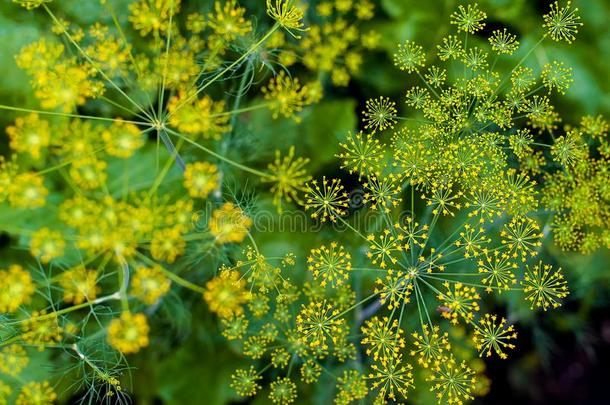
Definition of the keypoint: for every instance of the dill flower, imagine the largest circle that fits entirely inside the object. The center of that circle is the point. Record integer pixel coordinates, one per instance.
(522, 79)
(318, 323)
(310, 371)
(234, 327)
(16, 288)
(332, 264)
(288, 15)
(41, 329)
(394, 289)
(379, 114)
(498, 271)
(13, 359)
(283, 390)
(520, 142)
(383, 247)
(27, 190)
(204, 116)
(543, 286)
(256, 346)
(475, 58)
(286, 96)
(596, 127)
(473, 241)
(122, 139)
(569, 149)
(430, 346)
(453, 383)
(245, 382)
(327, 199)
(444, 201)
(503, 42)
(351, 386)
(229, 224)
(30, 135)
(149, 16)
(383, 338)
(47, 244)
(201, 178)
(461, 300)
(89, 173)
(562, 23)
(226, 294)
(383, 192)
(167, 244)
(522, 237)
(5, 393)
(228, 20)
(36, 393)
(451, 48)
(280, 357)
(410, 57)
(288, 177)
(469, 19)
(79, 285)
(361, 154)
(392, 377)
(149, 284)
(556, 76)
(436, 76)
(128, 333)
(31, 4)
(493, 335)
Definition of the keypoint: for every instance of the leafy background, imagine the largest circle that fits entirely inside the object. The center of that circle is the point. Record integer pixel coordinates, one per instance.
(562, 357)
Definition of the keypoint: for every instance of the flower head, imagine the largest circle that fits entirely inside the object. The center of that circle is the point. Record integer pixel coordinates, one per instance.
(392, 377)
(331, 264)
(16, 288)
(379, 114)
(128, 333)
(382, 337)
(562, 22)
(39, 393)
(149, 284)
(286, 14)
(286, 95)
(229, 224)
(226, 294)
(361, 154)
(282, 391)
(327, 199)
(410, 57)
(469, 19)
(79, 285)
(493, 335)
(288, 176)
(452, 382)
(245, 382)
(430, 346)
(503, 42)
(543, 286)
(201, 178)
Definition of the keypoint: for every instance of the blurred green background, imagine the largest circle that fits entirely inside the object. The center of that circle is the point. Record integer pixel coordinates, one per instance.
(562, 356)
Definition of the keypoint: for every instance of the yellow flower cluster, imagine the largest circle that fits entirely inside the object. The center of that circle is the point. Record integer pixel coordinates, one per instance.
(128, 333)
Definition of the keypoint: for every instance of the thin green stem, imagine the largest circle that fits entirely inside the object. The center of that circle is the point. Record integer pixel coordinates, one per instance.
(89, 117)
(220, 157)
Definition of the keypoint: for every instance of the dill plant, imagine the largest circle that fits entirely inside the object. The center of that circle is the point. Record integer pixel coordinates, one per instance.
(126, 164)
(406, 308)
(401, 310)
